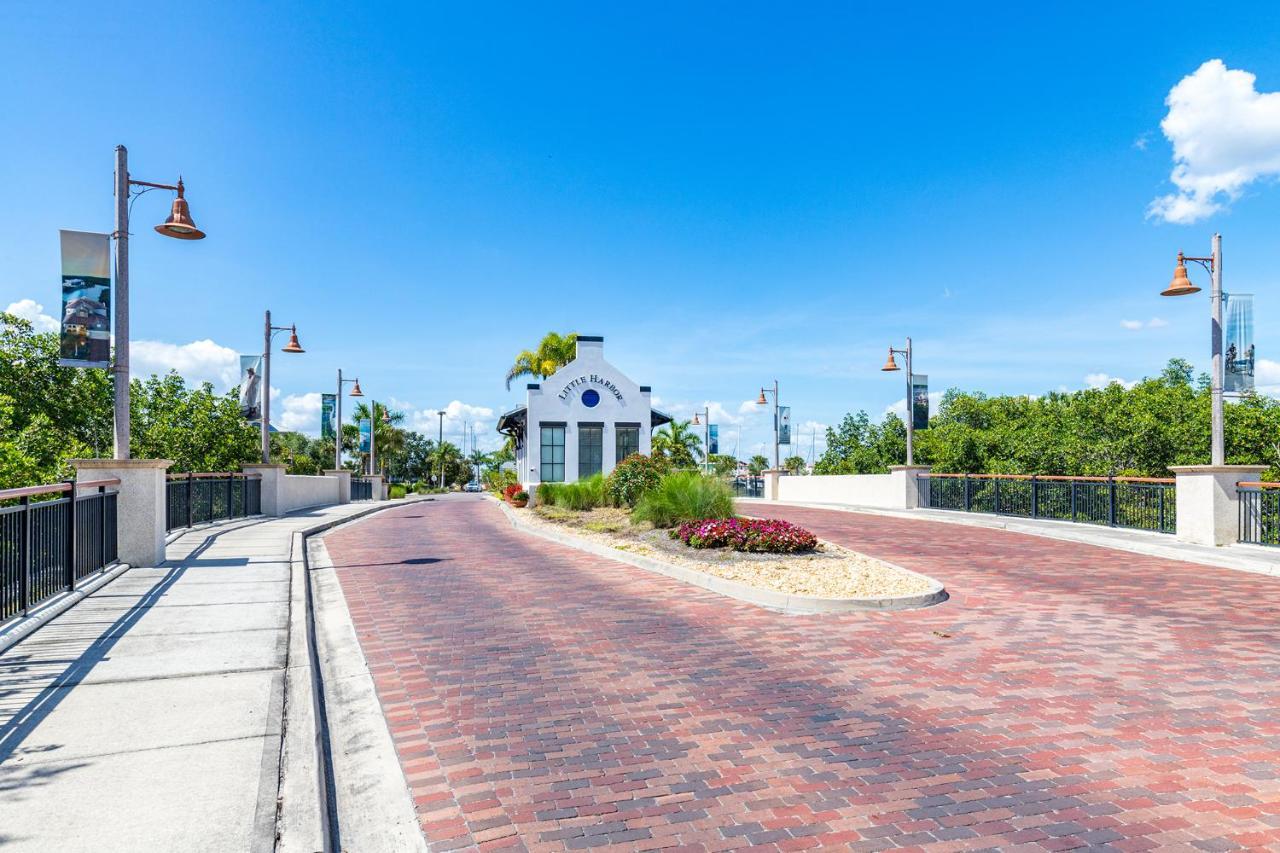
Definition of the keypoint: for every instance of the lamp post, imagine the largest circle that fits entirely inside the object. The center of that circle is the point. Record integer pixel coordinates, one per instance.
(440, 446)
(891, 365)
(777, 462)
(268, 334)
(180, 226)
(337, 438)
(706, 437)
(1182, 286)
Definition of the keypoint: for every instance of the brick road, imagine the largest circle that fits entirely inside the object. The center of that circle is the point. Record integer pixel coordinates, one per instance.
(1066, 696)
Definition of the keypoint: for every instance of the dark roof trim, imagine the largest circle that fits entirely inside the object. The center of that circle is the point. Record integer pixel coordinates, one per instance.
(645, 389)
(553, 423)
(657, 418)
(591, 338)
(591, 424)
(627, 424)
(533, 386)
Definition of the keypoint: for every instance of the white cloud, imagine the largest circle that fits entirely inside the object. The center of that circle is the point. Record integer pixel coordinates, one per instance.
(1102, 380)
(456, 415)
(1266, 375)
(1153, 323)
(29, 309)
(198, 361)
(750, 407)
(1225, 135)
(299, 412)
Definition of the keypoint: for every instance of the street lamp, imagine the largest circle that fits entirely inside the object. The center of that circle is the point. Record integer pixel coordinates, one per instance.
(706, 438)
(440, 446)
(891, 365)
(180, 226)
(777, 462)
(268, 334)
(1182, 286)
(337, 437)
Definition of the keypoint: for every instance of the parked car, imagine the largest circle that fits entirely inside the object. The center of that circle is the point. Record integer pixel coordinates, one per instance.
(473, 486)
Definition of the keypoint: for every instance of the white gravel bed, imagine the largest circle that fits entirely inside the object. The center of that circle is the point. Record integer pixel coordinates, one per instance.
(830, 571)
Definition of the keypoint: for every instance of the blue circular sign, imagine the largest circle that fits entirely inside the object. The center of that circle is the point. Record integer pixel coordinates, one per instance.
(590, 398)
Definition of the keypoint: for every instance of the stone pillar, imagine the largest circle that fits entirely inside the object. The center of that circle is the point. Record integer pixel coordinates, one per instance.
(140, 505)
(1208, 506)
(375, 481)
(905, 480)
(272, 486)
(344, 484)
(770, 484)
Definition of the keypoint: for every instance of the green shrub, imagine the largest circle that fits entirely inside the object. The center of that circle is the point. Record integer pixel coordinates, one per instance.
(396, 491)
(684, 496)
(582, 495)
(634, 476)
(549, 494)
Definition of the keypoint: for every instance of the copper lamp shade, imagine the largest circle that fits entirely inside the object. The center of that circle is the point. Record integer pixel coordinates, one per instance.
(180, 224)
(1181, 285)
(890, 364)
(696, 422)
(293, 345)
(762, 401)
(356, 392)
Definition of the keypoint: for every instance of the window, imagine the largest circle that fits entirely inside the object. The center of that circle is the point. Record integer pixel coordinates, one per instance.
(628, 441)
(590, 449)
(552, 454)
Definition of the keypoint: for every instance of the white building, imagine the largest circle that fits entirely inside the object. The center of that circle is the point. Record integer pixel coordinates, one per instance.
(580, 421)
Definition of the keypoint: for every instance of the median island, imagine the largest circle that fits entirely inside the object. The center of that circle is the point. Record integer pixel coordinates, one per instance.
(685, 520)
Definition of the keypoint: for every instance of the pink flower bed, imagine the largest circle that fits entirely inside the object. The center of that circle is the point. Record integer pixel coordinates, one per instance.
(769, 535)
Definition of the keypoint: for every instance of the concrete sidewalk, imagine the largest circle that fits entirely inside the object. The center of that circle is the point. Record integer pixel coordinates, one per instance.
(1247, 558)
(148, 716)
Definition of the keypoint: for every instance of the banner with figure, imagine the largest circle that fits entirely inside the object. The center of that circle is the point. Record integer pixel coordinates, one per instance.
(328, 406)
(784, 425)
(251, 387)
(713, 439)
(85, 340)
(364, 435)
(919, 401)
(1238, 358)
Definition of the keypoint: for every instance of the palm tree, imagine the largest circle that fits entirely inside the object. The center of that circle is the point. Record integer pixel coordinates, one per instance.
(388, 439)
(554, 352)
(680, 445)
(757, 465)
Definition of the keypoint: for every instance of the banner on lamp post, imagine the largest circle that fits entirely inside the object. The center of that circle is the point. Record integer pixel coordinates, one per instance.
(1238, 358)
(328, 407)
(919, 401)
(251, 388)
(365, 441)
(784, 425)
(85, 335)
(713, 439)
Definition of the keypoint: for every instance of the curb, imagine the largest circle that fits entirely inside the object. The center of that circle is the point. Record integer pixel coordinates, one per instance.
(306, 817)
(771, 599)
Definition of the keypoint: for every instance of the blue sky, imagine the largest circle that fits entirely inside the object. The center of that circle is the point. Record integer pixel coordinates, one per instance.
(729, 193)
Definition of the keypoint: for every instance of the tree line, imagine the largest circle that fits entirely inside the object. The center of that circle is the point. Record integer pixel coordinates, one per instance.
(1112, 431)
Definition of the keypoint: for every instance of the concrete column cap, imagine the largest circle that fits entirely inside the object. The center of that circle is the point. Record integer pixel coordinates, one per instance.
(271, 465)
(910, 467)
(1218, 469)
(98, 464)
(337, 471)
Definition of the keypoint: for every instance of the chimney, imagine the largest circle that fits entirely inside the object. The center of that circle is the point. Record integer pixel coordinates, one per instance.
(590, 347)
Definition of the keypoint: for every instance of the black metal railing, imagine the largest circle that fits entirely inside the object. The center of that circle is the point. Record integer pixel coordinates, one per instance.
(361, 489)
(1141, 503)
(748, 487)
(1259, 513)
(196, 498)
(48, 546)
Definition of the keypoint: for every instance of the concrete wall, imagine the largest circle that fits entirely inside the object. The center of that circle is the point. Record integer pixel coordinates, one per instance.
(854, 489)
(299, 492)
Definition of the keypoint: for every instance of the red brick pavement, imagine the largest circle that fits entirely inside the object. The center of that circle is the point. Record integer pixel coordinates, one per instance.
(1066, 696)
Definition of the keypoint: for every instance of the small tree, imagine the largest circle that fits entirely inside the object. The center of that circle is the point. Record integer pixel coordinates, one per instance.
(757, 464)
(794, 465)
